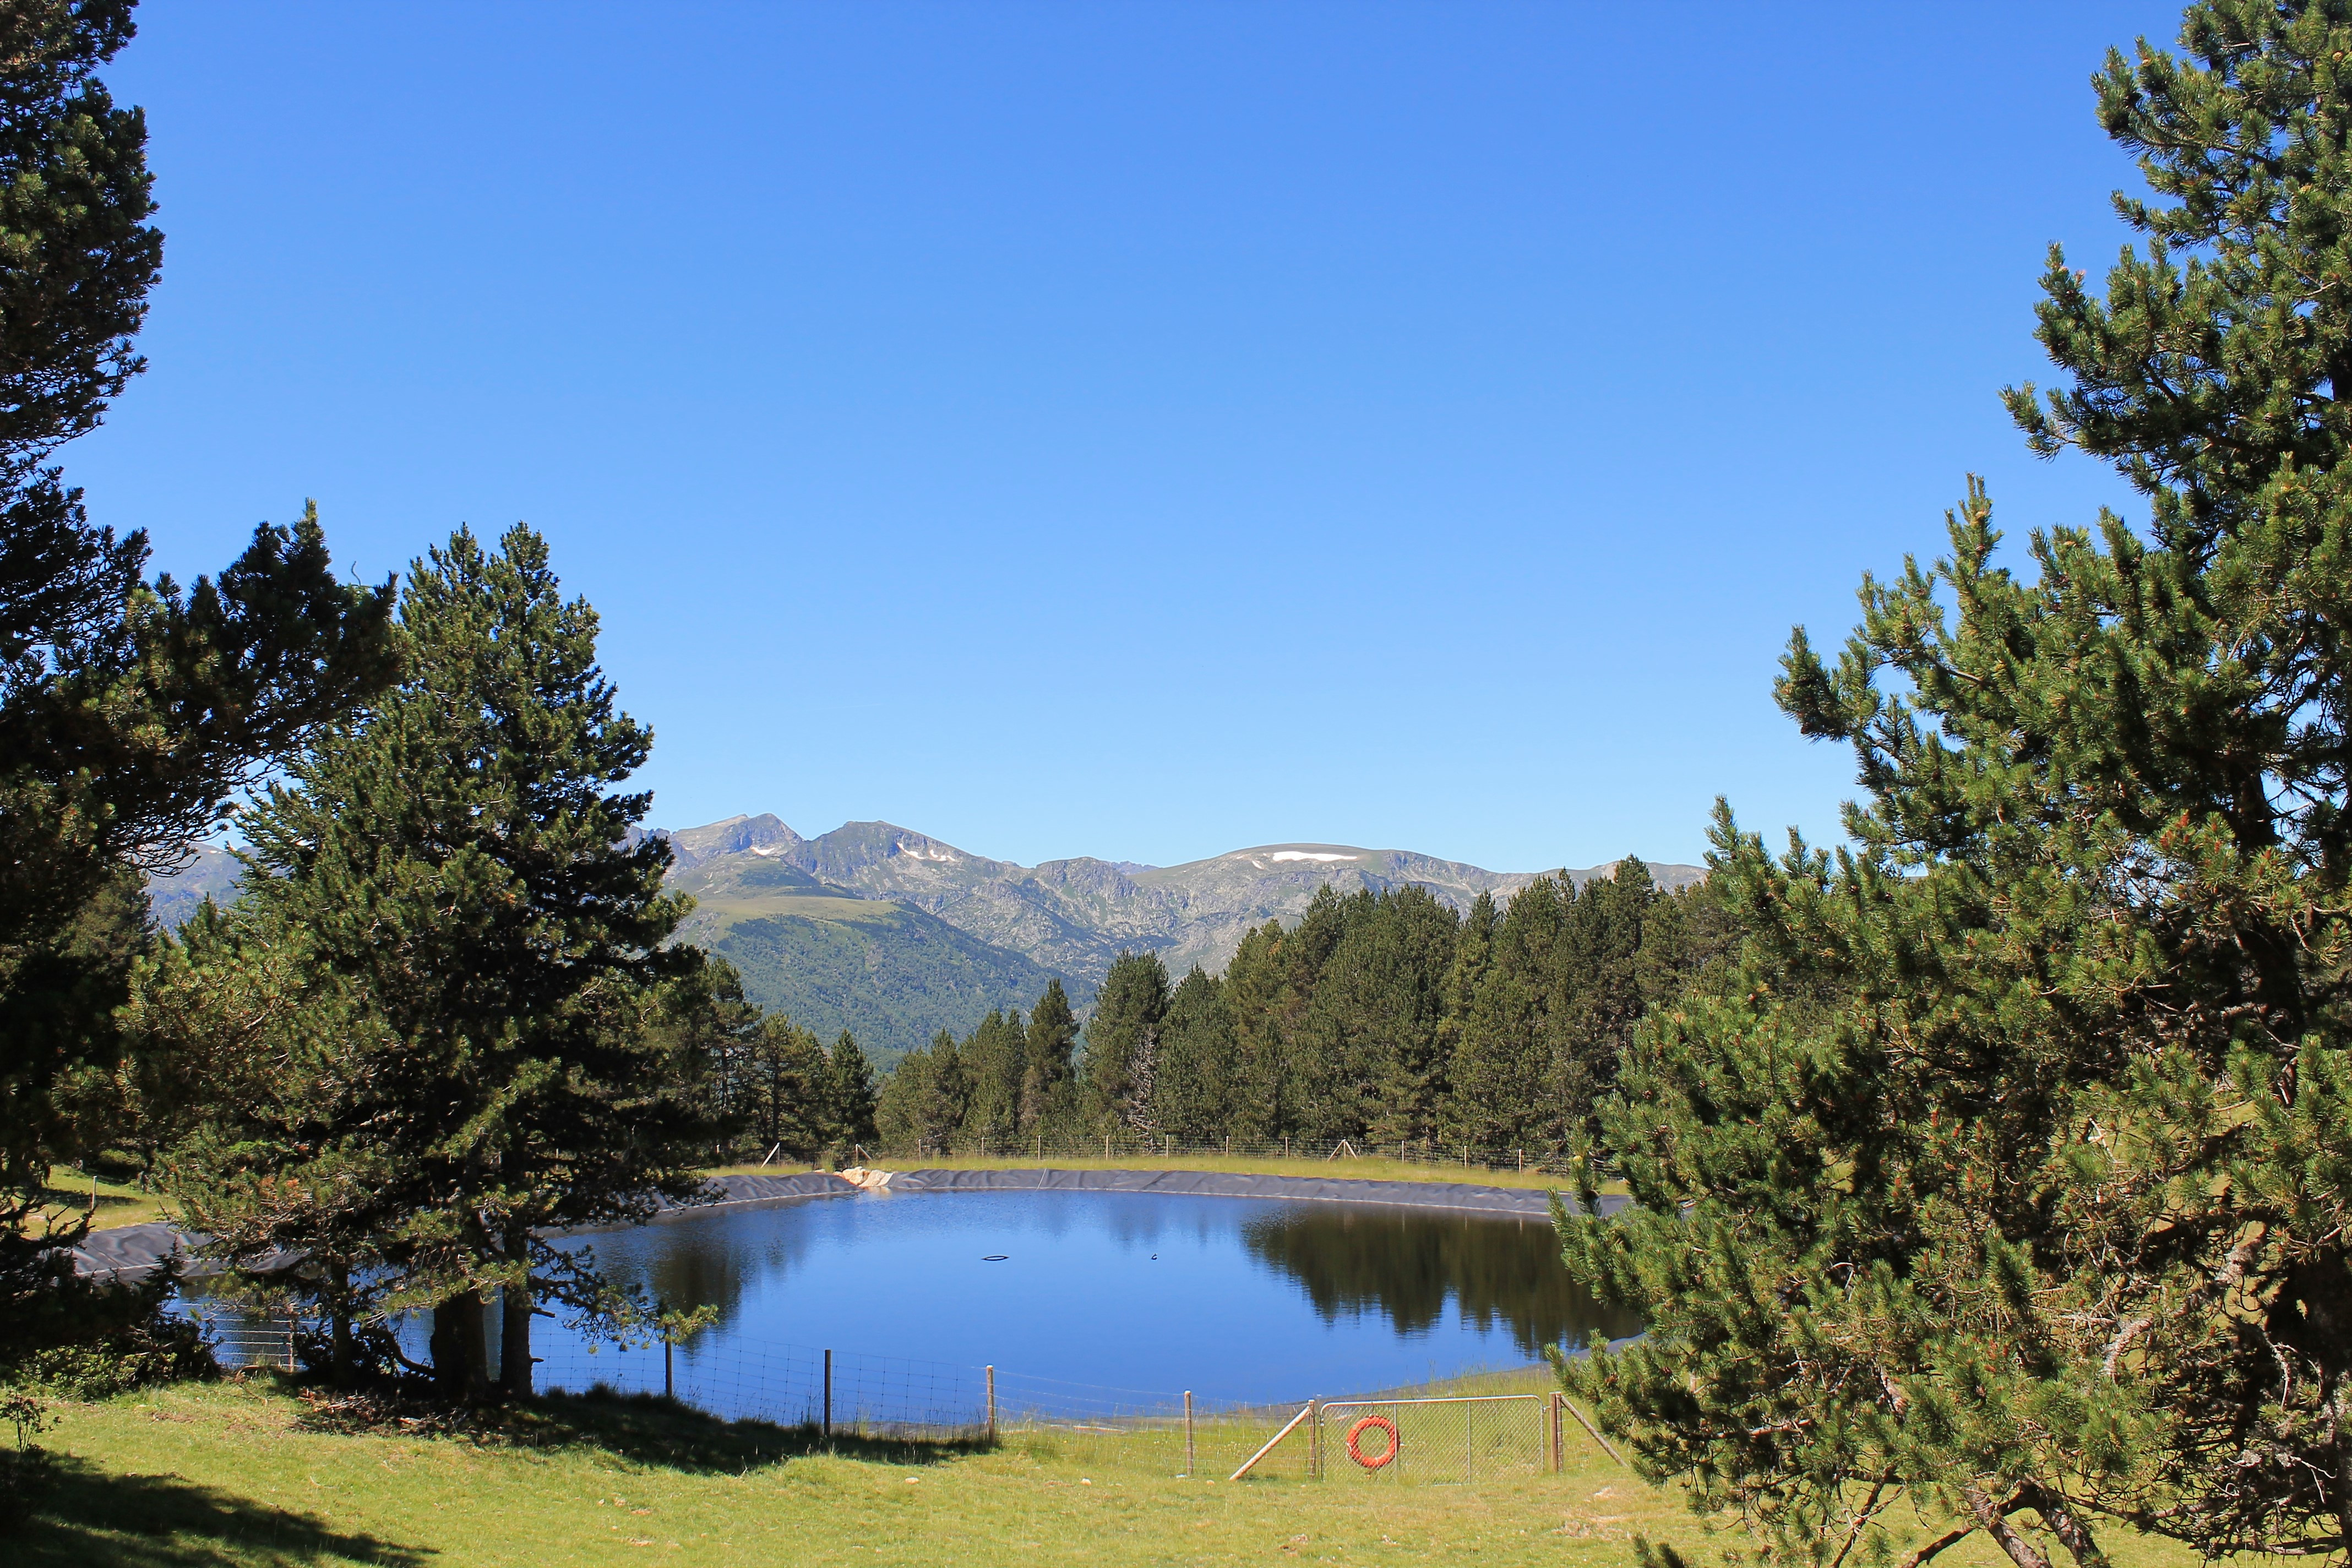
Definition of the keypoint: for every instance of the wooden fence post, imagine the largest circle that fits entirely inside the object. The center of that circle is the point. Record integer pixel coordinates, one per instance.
(1287, 1427)
(992, 1403)
(827, 1428)
(1188, 1434)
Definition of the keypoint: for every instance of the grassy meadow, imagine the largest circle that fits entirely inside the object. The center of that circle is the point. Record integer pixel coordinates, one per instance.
(70, 1192)
(250, 1472)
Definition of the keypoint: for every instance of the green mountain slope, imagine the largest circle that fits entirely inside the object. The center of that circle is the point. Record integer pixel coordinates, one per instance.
(1074, 916)
(890, 974)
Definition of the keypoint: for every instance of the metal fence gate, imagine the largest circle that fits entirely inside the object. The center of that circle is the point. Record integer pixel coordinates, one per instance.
(1469, 1438)
(1397, 1441)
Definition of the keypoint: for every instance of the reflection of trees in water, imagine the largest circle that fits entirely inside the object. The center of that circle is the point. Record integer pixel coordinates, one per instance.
(694, 1262)
(1406, 1264)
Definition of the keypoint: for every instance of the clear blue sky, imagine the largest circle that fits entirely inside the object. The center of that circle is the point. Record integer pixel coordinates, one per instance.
(1136, 430)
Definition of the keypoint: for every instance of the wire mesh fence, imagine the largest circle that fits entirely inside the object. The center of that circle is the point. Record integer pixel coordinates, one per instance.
(1394, 1442)
(1385, 1439)
(791, 1385)
(245, 1339)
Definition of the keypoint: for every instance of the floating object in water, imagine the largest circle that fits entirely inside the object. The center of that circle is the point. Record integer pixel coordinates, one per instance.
(994, 1258)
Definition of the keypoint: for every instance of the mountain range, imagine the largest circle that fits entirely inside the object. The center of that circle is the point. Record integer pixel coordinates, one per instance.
(895, 935)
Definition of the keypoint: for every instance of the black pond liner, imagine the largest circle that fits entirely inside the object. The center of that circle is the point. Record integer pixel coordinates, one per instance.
(133, 1251)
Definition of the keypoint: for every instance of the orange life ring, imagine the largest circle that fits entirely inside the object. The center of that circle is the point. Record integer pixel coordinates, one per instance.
(1355, 1440)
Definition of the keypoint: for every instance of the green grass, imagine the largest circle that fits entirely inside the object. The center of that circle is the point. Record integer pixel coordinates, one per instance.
(802, 906)
(119, 1202)
(240, 1473)
(246, 1473)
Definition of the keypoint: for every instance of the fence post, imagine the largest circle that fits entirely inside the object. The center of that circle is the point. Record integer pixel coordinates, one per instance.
(668, 1385)
(1315, 1440)
(827, 1428)
(1551, 1411)
(1595, 1431)
(992, 1403)
(1188, 1434)
(1287, 1427)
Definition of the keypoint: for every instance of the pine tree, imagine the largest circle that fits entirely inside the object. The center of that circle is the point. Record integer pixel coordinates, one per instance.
(1048, 1077)
(455, 867)
(1255, 997)
(2004, 1175)
(995, 1056)
(1192, 1090)
(1503, 1051)
(849, 1080)
(1596, 992)
(923, 1103)
(1122, 1044)
(1473, 960)
(130, 711)
(1367, 1043)
(704, 1017)
(791, 1093)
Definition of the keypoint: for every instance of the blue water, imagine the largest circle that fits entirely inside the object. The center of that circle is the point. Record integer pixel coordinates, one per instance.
(1105, 1301)
(1103, 1304)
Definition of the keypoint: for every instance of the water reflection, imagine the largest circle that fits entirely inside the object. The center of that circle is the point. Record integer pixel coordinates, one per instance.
(1242, 1301)
(1407, 1265)
(691, 1261)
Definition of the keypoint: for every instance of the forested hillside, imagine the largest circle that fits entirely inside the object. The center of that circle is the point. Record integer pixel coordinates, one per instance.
(891, 974)
(1380, 1018)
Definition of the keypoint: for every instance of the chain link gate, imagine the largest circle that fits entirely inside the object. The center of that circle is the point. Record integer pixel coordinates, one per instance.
(1465, 1438)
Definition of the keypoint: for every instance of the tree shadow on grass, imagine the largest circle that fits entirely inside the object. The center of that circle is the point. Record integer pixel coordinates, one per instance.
(648, 1429)
(91, 1518)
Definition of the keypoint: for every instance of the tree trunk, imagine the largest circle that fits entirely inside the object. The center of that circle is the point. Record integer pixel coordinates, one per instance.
(461, 1349)
(339, 1279)
(449, 1353)
(514, 1325)
(1994, 1519)
(474, 1334)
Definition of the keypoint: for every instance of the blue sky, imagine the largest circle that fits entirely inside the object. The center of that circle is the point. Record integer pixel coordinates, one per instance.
(1140, 431)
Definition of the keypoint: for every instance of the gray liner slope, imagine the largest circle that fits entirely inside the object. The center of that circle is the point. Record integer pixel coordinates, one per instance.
(131, 1252)
(1458, 1196)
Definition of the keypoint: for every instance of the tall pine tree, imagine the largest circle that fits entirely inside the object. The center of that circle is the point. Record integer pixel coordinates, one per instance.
(1123, 1041)
(2005, 1176)
(456, 868)
(131, 710)
(1049, 1073)
(1193, 1085)
(849, 1081)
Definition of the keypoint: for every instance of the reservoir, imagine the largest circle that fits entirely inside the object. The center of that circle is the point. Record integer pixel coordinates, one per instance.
(1101, 1303)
